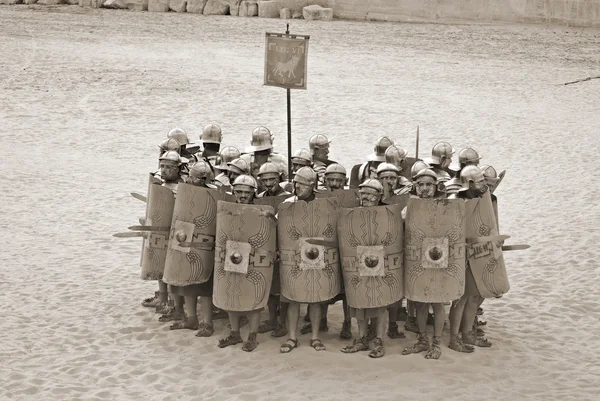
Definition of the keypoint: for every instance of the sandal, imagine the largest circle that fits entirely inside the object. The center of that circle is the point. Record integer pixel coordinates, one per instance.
(280, 331)
(163, 308)
(186, 323)
(435, 351)
(411, 325)
(379, 349)
(479, 322)
(457, 345)
(317, 344)
(251, 344)
(151, 302)
(287, 347)
(359, 344)
(172, 315)
(346, 332)
(421, 345)
(393, 331)
(206, 330)
(266, 326)
(472, 339)
(232, 339)
(479, 311)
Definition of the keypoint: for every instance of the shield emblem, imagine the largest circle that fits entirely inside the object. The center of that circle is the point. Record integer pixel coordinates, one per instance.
(191, 255)
(309, 273)
(159, 212)
(371, 245)
(244, 256)
(484, 252)
(434, 253)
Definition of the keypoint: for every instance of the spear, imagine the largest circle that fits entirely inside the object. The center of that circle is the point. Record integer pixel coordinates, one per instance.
(417, 147)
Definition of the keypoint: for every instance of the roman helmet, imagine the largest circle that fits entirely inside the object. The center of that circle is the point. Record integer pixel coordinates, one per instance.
(318, 141)
(305, 175)
(173, 156)
(381, 145)
(469, 156)
(387, 167)
(426, 172)
(169, 144)
(395, 155)
(227, 154)
(245, 180)
(269, 168)
(439, 150)
(418, 166)
(335, 168)
(490, 174)
(261, 139)
(371, 186)
(239, 166)
(470, 173)
(303, 157)
(452, 186)
(200, 169)
(211, 133)
(179, 135)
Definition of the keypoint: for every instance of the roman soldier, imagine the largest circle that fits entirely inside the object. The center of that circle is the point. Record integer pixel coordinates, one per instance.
(186, 149)
(237, 167)
(261, 151)
(226, 155)
(368, 169)
(319, 148)
(440, 161)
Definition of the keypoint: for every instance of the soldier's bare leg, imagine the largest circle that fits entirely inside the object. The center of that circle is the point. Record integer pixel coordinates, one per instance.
(393, 331)
(411, 320)
(307, 328)
(456, 314)
(422, 344)
(252, 342)
(293, 313)
(361, 343)
(346, 332)
(469, 336)
(271, 324)
(206, 328)
(439, 315)
(190, 320)
(163, 297)
(234, 336)
(380, 323)
(315, 319)
(281, 329)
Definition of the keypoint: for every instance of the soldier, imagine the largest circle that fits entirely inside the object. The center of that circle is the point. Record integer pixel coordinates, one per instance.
(199, 176)
(334, 177)
(491, 178)
(226, 155)
(270, 176)
(370, 193)
(301, 158)
(237, 167)
(425, 184)
(211, 140)
(186, 149)
(304, 187)
(261, 151)
(440, 160)
(244, 189)
(468, 157)
(319, 149)
(393, 182)
(464, 310)
(169, 144)
(369, 168)
(398, 157)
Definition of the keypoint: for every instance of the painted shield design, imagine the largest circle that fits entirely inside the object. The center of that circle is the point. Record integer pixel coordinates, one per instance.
(371, 246)
(159, 213)
(191, 255)
(309, 273)
(434, 253)
(244, 256)
(484, 248)
(346, 197)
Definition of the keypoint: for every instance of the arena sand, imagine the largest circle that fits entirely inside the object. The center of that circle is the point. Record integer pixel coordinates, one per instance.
(86, 95)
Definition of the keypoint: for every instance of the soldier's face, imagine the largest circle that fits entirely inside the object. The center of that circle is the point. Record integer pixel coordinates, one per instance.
(270, 181)
(335, 181)
(297, 166)
(169, 171)
(478, 185)
(445, 162)
(243, 194)
(425, 187)
(321, 153)
(389, 178)
(303, 191)
(368, 199)
(232, 176)
(197, 181)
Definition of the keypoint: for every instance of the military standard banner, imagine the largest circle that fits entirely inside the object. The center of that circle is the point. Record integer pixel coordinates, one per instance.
(286, 59)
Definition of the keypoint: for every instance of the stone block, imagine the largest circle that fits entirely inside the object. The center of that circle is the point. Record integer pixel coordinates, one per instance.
(137, 5)
(72, 2)
(216, 7)
(234, 7)
(248, 9)
(50, 2)
(268, 9)
(158, 6)
(317, 13)
(179, 6)
(297, 15)
(116, 4)
(195, 6)
(11, 2)
(285, 13)
(35, 1)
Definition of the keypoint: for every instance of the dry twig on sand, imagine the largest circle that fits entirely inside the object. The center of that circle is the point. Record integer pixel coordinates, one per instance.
(582, 80)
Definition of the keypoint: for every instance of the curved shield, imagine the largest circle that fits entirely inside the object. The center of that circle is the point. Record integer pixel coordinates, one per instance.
(346, 197)
(191, 255)
(244, 256)
(273, 201)
(309, 273)
(484, 252)
(371, 246)
(434, 252)
(159, 213)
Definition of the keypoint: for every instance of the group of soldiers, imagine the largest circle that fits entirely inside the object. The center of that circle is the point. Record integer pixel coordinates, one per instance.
(237, 231)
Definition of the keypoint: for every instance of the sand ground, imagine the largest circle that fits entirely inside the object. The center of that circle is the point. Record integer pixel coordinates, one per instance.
(85, 97)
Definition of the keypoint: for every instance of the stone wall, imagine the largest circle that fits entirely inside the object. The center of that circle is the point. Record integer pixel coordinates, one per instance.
(571, 12)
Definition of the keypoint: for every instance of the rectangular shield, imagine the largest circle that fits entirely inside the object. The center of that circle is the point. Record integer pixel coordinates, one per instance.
(273, 201)
(159, 213)
(244, 256)
(434, 253)
(483, 252)
(309, 273)
(371, 245)
(195, 224)
(347, 198)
